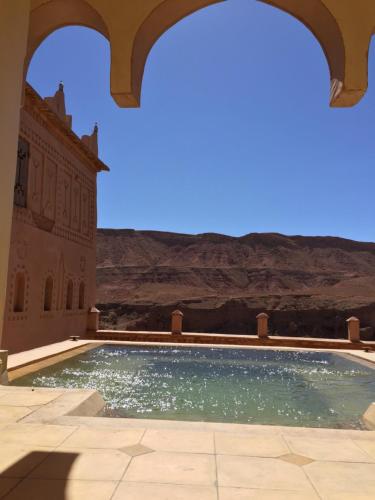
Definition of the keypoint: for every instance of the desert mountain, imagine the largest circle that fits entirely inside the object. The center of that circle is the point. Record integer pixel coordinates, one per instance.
(309, 284)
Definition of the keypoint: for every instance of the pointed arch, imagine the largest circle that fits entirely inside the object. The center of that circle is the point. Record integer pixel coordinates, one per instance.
(48, 293)
(51, 15)
(69, 295)
(19, 293)
(81, 296)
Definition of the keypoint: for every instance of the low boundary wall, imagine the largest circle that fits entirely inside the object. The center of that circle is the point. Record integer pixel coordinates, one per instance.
(226, 339)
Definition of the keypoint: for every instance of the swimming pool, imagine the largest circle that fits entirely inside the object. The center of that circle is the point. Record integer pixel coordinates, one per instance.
(256, 386)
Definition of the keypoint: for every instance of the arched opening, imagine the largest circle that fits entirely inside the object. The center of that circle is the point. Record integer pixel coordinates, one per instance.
(56, 14)
(81, 298)
(67, 56)
(48, 294)
(19, 293)
(69, 295)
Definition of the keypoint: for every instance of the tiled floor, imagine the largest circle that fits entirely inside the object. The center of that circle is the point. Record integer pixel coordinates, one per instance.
(80, 458)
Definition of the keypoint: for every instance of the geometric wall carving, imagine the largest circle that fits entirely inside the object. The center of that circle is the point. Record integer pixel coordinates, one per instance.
(85, 211)
(34, 201)
(76, 205)
(65, 184)
(49, 190)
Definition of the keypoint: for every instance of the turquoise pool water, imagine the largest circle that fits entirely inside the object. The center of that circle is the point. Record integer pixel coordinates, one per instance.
(298, 388)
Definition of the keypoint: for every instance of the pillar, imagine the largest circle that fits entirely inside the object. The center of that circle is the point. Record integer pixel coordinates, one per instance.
(3, 367)
(177, 322)
(14, 22)
(262, 320)
(353, 329)
(93, 320)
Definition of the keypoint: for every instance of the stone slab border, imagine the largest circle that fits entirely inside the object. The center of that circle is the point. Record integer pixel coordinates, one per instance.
(38, 364)
(68, 402)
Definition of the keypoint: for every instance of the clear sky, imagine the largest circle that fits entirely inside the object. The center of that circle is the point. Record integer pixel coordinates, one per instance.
(234, 135)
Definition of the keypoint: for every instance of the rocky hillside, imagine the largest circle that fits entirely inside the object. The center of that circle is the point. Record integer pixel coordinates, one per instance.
(309, 284)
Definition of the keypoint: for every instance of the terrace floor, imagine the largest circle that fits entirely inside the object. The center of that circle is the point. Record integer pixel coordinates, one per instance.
(46, 454)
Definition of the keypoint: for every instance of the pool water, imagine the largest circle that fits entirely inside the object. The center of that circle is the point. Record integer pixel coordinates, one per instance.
(256, 386)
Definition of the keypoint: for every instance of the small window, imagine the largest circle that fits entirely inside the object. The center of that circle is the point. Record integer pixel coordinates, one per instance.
(48, 293)
(19, 293)
(81, 300)
(20, 186)
(69, 296)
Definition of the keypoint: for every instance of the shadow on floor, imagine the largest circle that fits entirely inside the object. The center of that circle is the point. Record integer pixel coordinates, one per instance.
(39, 475)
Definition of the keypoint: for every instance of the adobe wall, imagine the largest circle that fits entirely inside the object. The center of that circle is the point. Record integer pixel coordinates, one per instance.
(54, 236)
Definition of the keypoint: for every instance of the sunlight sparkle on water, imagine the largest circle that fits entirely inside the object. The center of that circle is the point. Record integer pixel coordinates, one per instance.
(222, 385)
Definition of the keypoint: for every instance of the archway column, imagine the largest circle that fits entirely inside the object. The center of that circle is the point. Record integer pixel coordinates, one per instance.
(14, 21)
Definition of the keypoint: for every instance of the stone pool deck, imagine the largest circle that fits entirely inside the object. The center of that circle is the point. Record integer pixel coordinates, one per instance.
(75, 458)
(49, 451)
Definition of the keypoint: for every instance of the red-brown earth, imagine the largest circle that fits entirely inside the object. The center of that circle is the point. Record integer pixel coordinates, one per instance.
(308, 285)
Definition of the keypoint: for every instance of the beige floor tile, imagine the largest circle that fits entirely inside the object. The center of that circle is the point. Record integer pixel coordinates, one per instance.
(340, 450)
(264, 473)
(92, 437)
(172, 468)
(332, 479)
(28, 398)
(44, 489)
(6, 484)
(17, 460)
(13, 413)
(35, 434)
(368, 446)
(184, 441)
(245, 494)
(139, 491)
(100, 465)
(250, 445)
(349, 496)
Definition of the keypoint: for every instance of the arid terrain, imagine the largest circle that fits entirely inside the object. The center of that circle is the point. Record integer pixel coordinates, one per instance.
(308, 285)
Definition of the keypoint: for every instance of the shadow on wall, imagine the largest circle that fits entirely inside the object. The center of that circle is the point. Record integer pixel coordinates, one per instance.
(38, 475)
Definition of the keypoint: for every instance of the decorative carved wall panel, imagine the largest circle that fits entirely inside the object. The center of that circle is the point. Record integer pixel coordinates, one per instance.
(65, 185)
(34, 199)
(49, 190)
(20, 186)
(62, 190)
(85, 211)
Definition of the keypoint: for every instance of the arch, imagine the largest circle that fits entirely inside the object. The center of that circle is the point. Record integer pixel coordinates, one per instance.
(19, 293)
(49, 16)
(343, 29)
(48, 294)
(346, 50)
(69, 295)
(129, 56)
(81, 296)
(331, 22)
(319, 20)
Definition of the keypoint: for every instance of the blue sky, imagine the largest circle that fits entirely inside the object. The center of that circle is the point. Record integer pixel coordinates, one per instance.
(234, 135)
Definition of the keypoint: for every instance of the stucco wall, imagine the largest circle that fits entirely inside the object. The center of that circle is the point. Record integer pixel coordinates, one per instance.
(54, 236)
